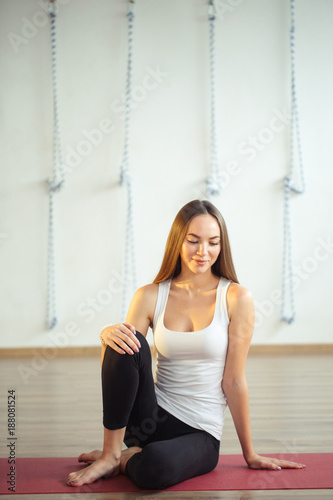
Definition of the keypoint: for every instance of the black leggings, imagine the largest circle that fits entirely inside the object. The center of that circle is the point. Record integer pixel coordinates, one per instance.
(172, 451)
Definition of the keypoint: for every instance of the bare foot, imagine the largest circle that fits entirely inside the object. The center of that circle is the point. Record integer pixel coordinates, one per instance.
(101, 468)
(91, 457)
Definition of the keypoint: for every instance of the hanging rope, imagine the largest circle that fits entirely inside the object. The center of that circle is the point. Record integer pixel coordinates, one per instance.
(56, 183)
(213, 183)
(125, 176)
(291, 186)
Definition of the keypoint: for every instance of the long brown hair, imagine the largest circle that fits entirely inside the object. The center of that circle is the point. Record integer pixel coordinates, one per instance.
(171, 264)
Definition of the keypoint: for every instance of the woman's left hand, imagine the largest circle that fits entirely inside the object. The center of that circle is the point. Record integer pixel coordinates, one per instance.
(259, 462)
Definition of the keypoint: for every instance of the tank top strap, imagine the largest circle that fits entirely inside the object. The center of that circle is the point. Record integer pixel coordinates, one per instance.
(221, 299)
(162, 298)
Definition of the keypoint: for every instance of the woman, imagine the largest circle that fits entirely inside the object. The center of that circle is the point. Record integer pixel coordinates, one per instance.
(202, 320)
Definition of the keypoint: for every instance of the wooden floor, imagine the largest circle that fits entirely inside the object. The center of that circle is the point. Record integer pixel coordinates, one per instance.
(59, 413)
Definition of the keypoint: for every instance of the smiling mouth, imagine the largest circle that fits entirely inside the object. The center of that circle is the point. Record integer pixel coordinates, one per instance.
(200, 261)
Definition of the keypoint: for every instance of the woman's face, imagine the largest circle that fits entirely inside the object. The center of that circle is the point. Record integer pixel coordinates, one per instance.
(202, 244)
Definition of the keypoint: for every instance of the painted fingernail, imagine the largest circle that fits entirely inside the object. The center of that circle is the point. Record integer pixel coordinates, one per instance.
(278, 468)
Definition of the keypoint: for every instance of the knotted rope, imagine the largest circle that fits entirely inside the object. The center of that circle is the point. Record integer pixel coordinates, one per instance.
(56, 183)
(125, 175)
(213, 182)
(291, 186)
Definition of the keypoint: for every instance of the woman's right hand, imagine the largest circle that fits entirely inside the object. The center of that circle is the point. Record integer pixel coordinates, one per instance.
(122, 338)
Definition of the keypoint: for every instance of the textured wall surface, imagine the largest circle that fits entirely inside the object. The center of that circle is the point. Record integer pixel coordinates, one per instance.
(169, 155)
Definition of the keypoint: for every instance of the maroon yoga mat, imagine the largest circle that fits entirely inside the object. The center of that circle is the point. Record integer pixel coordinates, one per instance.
(48, 475)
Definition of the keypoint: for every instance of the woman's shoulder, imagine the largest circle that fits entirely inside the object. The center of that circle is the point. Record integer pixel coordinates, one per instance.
(238, 296)
(147, 295)
(147, 291)
(238, 291)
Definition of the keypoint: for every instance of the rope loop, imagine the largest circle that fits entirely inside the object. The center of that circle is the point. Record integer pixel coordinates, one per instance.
(125, 177)
(290, 186)
(56, 183)
(212, 10)
(213, 183)
(213, 186)
(130, 8)
(52, 8)
(54, 187)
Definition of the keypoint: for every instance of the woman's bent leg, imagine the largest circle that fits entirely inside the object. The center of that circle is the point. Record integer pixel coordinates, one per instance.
(164, 463)
(128, 392)
(128, 387)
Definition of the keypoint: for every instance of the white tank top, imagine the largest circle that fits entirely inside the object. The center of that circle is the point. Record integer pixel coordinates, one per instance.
(190, 365)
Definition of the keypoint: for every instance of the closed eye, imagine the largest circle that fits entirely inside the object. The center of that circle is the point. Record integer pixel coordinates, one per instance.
(195, 242)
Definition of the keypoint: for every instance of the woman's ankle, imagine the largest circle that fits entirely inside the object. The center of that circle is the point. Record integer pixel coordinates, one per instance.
(112, 445)
(111, 456)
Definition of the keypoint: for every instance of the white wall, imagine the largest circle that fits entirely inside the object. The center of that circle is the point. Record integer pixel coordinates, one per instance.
(169, 155)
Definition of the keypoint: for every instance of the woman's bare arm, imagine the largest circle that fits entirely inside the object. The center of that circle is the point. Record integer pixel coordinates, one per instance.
(122, 337)
(241, 313)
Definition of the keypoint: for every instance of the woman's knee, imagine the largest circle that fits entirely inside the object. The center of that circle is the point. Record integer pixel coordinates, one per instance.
(113, 359)
(151, 469)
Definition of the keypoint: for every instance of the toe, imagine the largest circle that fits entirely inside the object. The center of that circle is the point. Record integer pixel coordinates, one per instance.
(71, 482)
(72, 479)
(82, 457)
